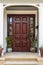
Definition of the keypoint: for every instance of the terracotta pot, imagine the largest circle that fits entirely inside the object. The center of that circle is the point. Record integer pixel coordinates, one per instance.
(1, 51)
(41, 51)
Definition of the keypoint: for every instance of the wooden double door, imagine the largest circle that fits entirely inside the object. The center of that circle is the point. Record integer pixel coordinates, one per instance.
(21, 33)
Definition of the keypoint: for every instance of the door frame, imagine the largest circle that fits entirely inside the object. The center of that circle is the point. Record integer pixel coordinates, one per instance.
(30, 15)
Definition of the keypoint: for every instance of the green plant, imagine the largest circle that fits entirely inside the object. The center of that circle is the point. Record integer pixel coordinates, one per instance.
(9, 41)
(33, 43)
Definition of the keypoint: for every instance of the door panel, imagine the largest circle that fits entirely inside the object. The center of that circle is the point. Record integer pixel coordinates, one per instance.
(20, 33)
(25, 32)
(24, 28)
(17, 28)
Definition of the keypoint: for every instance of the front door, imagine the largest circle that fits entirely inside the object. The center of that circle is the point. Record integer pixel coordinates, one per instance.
(21, 32)
(21, 38)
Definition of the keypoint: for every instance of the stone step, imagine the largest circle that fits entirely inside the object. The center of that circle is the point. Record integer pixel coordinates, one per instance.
(20, 59)
(21, 63)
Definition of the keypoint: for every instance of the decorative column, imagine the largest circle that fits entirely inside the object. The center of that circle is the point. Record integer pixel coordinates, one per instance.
(40, 25)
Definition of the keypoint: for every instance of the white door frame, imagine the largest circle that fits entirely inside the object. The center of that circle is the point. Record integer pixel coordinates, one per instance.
(15, 12)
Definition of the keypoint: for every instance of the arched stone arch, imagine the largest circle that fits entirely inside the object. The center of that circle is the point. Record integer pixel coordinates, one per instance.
(20, 4)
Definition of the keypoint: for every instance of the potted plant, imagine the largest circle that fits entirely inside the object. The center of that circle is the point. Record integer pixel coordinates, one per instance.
(1, 50)
(32, 49)
(9, 43)
(41, 50)
(33, 45)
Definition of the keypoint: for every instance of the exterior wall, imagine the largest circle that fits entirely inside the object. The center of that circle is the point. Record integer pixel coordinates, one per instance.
(1, 24)
(40, 25)
(22, 1)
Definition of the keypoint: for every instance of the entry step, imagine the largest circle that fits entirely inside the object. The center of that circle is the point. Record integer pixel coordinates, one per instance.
(22, 63)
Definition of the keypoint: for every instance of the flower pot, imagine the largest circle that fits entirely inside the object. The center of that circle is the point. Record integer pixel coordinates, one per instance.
(41, 51)
(9, 50)
(32, 49)
(1, 51)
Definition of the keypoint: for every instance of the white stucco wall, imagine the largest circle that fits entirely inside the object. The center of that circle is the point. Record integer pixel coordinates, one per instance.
(41, 25)
(22, 1)
(1, 24)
